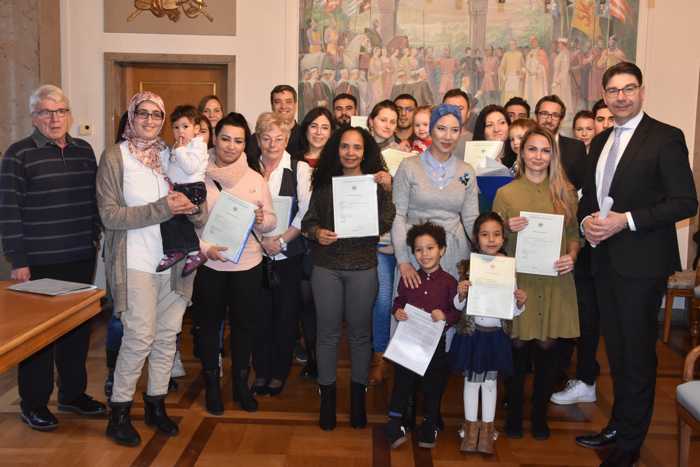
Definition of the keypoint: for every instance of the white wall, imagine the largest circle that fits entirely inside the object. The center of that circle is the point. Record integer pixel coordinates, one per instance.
(266, 52)
(668, 55)
(265, 48)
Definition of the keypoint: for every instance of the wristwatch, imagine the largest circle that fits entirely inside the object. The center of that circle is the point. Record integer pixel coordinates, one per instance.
(283, 244)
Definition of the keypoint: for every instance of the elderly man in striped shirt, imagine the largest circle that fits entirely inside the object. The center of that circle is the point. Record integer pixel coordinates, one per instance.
(50, 229)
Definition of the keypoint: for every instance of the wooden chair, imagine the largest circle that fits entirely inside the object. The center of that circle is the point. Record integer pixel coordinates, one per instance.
(681, 284)
(688, 402)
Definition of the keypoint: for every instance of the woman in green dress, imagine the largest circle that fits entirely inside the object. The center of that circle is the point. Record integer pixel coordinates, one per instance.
(540, 186)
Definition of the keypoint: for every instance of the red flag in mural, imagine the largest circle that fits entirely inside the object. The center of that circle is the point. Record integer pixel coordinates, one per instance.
(620, 9)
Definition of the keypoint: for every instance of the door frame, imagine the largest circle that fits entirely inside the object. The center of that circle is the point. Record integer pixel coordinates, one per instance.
(113, 63)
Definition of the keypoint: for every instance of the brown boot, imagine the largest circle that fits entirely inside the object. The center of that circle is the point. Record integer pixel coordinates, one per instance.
(376, 372)
(471, 436)
(486, 438)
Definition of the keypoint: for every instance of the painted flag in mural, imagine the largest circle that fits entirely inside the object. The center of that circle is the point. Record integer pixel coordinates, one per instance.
(353, 7)
(584, 17)
(619, 9)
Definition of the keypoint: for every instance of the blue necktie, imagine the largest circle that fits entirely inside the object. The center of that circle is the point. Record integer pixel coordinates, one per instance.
(610, 165)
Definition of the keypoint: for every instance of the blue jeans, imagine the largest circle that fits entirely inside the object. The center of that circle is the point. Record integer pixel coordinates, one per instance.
(381, 312)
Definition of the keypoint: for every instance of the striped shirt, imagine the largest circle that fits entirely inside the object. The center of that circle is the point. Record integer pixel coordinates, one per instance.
(48, 208)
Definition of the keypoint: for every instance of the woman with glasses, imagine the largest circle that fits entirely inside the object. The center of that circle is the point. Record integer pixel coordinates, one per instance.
(133, 198)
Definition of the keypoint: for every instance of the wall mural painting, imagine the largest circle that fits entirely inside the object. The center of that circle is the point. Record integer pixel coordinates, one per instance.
(492, 49)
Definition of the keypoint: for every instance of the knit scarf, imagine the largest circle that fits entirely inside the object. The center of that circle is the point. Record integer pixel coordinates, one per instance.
(146, 151)
(229, 175)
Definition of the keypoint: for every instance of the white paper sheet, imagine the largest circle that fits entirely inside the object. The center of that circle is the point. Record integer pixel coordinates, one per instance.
(539, 244)
(229, 224)
(355, 212)
(359, 121)
(492, 284)
(393, 158)
(476, 153)
(51, 287)
(415, 340)
(283, 210)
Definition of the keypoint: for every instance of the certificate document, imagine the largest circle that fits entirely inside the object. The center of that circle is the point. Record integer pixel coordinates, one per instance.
(539, 244)
(393, 158)
(355, 212)
(493, 283)
(359, 121)
(476, 152)
(229, 224)
(283, 210)
(415, 340)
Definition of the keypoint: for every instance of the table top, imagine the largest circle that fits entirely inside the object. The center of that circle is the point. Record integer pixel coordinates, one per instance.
(24, 315)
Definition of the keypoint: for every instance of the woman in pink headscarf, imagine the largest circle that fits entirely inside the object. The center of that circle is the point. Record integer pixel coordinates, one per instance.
(133, 198)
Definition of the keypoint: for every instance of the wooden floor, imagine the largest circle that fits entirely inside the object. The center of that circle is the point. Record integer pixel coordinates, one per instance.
(285, 433)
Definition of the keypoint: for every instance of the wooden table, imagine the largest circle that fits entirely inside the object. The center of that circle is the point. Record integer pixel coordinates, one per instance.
(29, 322)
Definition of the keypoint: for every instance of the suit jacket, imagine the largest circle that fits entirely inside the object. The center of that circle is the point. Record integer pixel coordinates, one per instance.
(573, 158)
(654, 182)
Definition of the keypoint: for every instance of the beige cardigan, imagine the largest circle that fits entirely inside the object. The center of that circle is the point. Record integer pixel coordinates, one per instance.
(117, 219)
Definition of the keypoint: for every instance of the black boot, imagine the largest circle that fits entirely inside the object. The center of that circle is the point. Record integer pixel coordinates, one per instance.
(546, 371)
(327, 412)
(514, 417)
(358, 411)
(119, 427)
(156, 417)
(212, 392)
(241, 392)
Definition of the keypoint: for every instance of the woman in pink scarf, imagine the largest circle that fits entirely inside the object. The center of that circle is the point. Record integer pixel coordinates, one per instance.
(133, 198)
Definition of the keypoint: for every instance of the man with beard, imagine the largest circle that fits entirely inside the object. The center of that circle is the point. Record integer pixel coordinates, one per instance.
(406, 104)
(344, 108)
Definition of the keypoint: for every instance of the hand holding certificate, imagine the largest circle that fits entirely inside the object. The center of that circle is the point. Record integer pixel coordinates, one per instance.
(415, 340)
(229, 225)
(492, 284)
(355, 211)
(539, 244)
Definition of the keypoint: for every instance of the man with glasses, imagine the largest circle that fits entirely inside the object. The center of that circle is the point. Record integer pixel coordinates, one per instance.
(642, 164)
(50, 228)
(550, 112)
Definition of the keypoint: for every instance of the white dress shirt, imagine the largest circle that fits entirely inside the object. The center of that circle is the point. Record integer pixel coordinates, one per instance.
(630, 127)
(274, 182)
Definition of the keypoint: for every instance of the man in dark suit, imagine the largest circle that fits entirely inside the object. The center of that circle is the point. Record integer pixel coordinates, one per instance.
(283, 101)
(642, 164)
(550, 112)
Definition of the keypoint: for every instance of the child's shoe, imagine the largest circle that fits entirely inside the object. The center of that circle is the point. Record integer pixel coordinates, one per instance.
(169, 261)
(471, 436)
(487, 435)
(428, 434)
(193, 262)
(395, 432)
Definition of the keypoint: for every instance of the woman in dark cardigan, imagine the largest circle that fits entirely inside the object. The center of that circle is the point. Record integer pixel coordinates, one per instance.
(344, 277)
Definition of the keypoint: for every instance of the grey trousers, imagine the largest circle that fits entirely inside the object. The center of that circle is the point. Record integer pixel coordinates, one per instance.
(152, 320)
(347, 295)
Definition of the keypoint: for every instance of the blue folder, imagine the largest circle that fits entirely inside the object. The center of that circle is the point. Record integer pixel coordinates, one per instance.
(487, 189)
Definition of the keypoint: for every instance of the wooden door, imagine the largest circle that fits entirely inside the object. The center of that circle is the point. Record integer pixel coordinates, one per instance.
(176, 84)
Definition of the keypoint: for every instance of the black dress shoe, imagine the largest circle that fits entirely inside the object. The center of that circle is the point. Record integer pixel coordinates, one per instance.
(606, 437)
(620, 458)
(39, 419)
(83, 405)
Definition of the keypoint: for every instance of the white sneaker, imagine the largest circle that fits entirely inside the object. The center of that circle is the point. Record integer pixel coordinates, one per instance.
(575, 391)
(178, 369)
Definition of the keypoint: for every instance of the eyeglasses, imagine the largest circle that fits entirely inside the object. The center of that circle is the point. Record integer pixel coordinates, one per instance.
(628, 90)
(547, 115)
(156, 115)
(46, 113)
